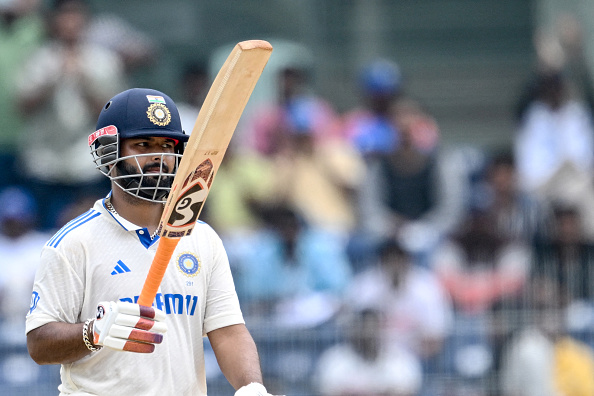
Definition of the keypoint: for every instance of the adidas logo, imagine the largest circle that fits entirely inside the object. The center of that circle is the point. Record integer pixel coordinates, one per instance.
(120, 268)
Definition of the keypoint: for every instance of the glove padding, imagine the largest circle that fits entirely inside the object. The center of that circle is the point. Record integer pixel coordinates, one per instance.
(124, 326)
(253, 389)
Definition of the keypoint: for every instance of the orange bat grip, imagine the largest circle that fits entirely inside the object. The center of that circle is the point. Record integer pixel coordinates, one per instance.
(157, 270)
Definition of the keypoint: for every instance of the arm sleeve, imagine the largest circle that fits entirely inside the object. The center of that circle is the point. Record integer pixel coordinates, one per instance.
(57, 291)
(222, 304)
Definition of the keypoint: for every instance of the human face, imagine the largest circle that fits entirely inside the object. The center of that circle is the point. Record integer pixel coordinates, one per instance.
(149, 153)
(147, 166)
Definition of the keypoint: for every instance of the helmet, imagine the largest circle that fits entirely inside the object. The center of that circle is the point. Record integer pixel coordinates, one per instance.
(381, 77)
(136, 113)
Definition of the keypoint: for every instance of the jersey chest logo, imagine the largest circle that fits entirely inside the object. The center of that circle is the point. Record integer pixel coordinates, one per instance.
(188, 264)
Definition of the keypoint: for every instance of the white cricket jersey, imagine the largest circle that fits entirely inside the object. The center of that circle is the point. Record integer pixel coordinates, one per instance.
(100, 256)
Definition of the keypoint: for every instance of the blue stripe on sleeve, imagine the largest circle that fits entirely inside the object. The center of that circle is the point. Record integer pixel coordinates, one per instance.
(80, 220)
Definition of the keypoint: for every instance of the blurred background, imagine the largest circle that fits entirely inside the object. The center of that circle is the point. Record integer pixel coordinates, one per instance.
(407, 203)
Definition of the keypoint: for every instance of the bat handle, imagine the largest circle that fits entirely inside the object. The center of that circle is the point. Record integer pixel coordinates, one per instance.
(157, 270)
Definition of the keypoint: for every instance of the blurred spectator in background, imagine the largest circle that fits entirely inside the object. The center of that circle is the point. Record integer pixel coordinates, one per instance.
(418, 309)
(292, 270)
(245, 183)
(513, 212)
(541, 359)
(21, 31)
(319, 180)
(20, 246)
(364, 364)
(370, 126)
(565, 257)
(555, 141)
(414, 193)
(479, 266)
(297, 109)
(316, 171)
(61, 88)
(136, 48)
(194, 85)
(560, 49)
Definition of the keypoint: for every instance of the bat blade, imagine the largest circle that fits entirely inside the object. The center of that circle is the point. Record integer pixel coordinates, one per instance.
(204, 152)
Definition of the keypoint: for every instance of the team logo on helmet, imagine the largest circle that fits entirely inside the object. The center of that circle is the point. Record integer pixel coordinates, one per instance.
(159, 114)
(188, 264)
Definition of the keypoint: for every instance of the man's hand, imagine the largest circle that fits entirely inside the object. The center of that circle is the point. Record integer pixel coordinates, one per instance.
(128, 327)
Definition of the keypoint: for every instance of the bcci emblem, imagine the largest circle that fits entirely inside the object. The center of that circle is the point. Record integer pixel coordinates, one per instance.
(159, 114)
(188, 264)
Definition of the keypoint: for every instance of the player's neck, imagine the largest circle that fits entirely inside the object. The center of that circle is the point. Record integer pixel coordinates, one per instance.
(137, 211)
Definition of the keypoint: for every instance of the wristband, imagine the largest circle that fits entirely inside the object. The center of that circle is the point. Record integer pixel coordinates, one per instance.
(86, 339)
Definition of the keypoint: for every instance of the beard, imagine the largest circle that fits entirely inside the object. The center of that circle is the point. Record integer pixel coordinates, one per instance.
(146, 185)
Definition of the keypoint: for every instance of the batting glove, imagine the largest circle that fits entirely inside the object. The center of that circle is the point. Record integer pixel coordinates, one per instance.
(129, 327)
(253, 389)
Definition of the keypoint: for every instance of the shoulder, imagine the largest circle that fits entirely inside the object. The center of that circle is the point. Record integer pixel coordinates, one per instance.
(203, 234)
(77, 229)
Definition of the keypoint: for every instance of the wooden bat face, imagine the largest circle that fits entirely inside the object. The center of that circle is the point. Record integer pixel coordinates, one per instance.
(204, 152)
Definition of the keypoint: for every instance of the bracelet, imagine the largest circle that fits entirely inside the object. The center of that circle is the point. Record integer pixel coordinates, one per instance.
(86, 340)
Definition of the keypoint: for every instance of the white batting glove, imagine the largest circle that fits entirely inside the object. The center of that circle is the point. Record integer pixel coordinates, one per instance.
(128, 327)
(253, 389)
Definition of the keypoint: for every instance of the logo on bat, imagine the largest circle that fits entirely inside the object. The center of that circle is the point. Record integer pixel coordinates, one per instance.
(188, 205)
(194, 193)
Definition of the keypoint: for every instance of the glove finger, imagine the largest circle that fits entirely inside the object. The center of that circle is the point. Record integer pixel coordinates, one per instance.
(140, 323)
(132, 334)
(130, 346)
(141, 310)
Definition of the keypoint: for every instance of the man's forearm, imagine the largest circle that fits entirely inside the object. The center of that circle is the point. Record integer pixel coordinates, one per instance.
(57, 343)
(236, 354)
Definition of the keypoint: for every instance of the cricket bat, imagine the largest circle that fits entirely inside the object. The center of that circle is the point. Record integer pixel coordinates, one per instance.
(204, 153)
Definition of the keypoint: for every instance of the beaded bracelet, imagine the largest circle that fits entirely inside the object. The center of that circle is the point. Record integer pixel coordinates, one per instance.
(86, 340)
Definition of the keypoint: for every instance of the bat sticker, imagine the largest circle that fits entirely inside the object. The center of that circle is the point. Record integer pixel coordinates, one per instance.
(189, 203)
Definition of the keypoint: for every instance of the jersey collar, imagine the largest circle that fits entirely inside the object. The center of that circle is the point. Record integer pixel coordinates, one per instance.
(142, 233)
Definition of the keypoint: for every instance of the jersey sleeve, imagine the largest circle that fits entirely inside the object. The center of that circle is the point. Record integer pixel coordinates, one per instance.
(222, 304)
(58, 290)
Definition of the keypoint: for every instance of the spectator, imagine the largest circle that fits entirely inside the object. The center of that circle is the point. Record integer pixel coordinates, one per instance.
(135, 48)
(542, 359)
(364, 364)
(245, 183)
(480, 267)
(21, 31)
(418, 309)
(319, 180)
(290, 269)
(556, 131)
(20, 246)
(297, 110)
(61, 88)
(414, 193)
(555, 142)
(316, 172)
(566, 255)
(513, 212)
(370, 126)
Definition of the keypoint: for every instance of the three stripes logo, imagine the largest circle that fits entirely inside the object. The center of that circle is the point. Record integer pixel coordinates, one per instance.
(120, 268)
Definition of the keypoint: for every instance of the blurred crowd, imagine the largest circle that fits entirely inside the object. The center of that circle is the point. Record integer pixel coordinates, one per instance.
(406, 266)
